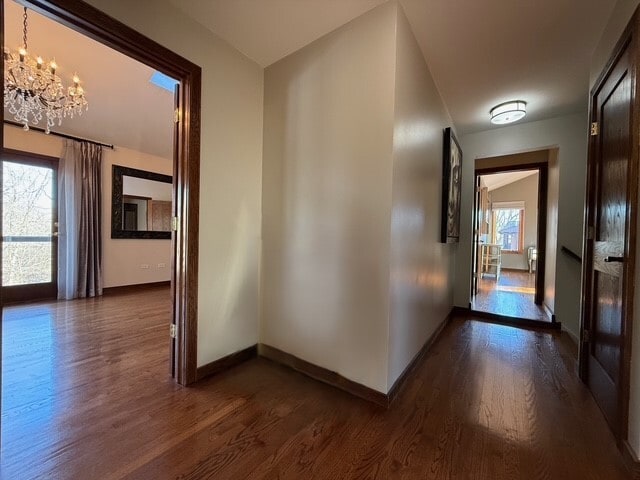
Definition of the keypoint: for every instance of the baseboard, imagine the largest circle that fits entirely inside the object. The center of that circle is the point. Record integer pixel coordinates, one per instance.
(227, 362)
(402, 379)
(505, 320)
(573, 338)
(552, 315)
(139, 287)
(632, 463)
(323, 375)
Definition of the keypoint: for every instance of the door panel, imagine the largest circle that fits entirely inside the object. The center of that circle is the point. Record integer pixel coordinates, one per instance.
(29, 224)
(605, 268)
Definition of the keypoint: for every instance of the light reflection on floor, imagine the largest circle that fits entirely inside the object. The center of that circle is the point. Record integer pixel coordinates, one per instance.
(28, 341)
(512, 295)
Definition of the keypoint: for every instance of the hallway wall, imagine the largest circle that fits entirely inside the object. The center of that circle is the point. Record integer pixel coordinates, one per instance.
(328, 138)
(422, 268)
(230, 172)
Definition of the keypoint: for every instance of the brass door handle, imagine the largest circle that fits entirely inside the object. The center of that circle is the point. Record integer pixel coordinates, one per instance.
(614, 259)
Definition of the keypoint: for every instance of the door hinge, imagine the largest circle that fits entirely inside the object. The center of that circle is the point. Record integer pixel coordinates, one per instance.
(174, 224)
(595, 129)
(173, 330)
(176, 115)
(586, 336)
(590, 232)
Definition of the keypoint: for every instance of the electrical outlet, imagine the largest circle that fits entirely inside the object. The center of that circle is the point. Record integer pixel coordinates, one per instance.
(144, 266)
(162, 265)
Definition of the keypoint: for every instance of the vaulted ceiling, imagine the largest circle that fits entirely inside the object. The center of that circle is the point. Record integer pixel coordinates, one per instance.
(124, 108)
(480, 52)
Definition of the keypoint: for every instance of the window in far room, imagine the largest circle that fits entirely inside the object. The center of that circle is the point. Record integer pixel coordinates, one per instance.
(508, 226)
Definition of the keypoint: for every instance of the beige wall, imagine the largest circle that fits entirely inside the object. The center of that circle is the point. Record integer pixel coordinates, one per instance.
(551, 251)
(230, 176)
(121, 258)
(525, 190)
(327, 197)
(421, 266)
(619, 18)
(568, 133)
(618, 21)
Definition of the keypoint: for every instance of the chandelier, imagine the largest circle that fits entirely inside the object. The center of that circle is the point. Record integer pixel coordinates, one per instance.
(33, 91)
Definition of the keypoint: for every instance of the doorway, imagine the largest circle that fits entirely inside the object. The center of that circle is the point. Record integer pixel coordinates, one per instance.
(93, 23)
(29, 226)
(509, 241)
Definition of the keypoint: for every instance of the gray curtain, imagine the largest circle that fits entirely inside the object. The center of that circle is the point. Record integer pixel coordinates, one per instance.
(80, 220)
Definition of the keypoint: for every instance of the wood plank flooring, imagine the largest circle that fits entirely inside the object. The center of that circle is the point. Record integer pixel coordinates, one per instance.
(512, 296)
(87, 395)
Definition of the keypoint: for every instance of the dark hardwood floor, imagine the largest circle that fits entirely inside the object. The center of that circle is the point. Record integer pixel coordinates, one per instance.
(512, 296)
(87, 395)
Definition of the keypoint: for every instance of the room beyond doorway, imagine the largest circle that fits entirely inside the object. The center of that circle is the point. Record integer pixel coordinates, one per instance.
(510, 236)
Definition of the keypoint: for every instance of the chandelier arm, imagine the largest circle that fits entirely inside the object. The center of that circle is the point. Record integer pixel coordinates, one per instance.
(24, 28)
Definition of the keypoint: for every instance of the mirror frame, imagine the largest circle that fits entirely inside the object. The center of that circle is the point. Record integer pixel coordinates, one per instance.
(118, 172)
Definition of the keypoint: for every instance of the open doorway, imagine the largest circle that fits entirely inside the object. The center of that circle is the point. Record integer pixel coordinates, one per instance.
(510, 237)
(94, 24)
(75, 366)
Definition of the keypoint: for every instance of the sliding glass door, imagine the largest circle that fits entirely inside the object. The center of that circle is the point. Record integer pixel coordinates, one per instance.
(29, 227)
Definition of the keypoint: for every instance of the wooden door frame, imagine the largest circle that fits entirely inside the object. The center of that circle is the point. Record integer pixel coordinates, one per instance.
(90, 21)
(629, 39)
(541, 234)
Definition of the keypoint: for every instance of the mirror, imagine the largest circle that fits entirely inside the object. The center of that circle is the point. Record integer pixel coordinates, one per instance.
(140, 204)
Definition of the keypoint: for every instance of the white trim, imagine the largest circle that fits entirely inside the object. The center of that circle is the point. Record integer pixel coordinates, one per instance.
(517, 205)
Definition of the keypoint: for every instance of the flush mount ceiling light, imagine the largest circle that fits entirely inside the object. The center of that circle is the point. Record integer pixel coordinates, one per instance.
(33, 90)
(508, 112)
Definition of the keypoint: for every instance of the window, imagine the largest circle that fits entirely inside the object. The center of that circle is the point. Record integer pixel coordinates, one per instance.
(508, 226)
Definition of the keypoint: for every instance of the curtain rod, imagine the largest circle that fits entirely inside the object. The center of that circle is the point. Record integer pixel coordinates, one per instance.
(63, 135)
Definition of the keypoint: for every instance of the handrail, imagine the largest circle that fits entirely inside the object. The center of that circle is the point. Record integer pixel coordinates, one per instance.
(571, 254)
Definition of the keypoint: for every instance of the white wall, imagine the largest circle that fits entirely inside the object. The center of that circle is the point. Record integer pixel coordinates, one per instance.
(421, 266)
(569, 134)
(230, 173)
(551, 251)
(328, 130)
(525, 190)
(618, 21)
(121, 258)
(619, 18)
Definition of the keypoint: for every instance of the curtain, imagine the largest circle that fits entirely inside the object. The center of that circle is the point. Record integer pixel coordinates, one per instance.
(80, 220)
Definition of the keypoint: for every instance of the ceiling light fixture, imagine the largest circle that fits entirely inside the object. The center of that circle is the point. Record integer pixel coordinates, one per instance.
(508, 112)
(33, 91)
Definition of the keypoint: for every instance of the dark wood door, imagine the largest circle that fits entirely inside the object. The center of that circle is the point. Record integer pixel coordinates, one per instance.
(607, 243)
(29, 226)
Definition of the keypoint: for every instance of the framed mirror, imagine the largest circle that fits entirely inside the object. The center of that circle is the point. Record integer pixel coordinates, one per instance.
(141, 204)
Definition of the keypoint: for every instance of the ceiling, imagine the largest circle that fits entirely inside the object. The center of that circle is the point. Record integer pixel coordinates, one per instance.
(480, 53)
(124, 108)
(497, 180)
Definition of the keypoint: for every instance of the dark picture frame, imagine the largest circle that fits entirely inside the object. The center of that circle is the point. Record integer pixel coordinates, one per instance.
(451, 188)
(117, 230)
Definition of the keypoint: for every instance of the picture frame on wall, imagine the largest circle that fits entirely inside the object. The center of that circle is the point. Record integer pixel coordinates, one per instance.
(451, 188)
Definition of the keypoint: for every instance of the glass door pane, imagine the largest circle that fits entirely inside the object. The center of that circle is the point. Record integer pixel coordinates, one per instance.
(27, 222)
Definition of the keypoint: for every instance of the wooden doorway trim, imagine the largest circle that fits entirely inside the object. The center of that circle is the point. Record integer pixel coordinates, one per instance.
(95, 24)
(630, 40)
(541, 237)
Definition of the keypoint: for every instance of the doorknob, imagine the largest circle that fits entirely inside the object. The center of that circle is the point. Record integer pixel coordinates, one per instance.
(614, 259)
